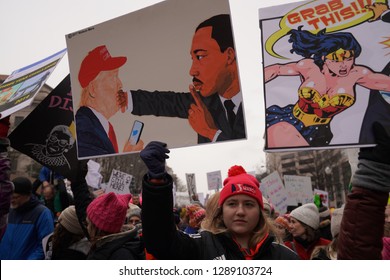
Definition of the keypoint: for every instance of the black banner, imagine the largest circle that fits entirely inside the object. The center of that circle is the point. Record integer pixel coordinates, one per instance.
(48, 133)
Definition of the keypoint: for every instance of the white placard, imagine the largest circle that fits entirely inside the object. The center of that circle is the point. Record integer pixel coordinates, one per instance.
(191, 185)
(273, 189)
(214, 180)
(119, 182)
(299, 189)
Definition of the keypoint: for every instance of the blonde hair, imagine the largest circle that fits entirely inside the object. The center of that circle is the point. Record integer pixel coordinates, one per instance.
(330, 250)
(84, 99)
(213, 222)
(211, 208)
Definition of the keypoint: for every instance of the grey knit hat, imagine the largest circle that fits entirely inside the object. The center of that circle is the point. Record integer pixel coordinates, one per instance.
(307, 214)
(133, 210)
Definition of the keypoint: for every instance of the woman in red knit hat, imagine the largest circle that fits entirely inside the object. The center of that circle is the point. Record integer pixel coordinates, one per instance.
(238, 228)
(194, 215)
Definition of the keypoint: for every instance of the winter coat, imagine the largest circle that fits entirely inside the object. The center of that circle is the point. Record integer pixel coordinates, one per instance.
(82, 198)
(305, 252)
(119, 246)
(164, 241)
(362, 226)
(45, 174)
(386, 248)
(27, 226)
(77, 251)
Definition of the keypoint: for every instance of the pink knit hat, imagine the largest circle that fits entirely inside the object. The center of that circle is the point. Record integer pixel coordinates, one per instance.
(240, 182)
(108, 211)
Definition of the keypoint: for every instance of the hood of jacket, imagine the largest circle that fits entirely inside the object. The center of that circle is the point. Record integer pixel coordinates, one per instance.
(119, 246)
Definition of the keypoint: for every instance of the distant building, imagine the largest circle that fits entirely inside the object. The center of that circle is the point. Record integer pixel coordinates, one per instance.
(329, 170)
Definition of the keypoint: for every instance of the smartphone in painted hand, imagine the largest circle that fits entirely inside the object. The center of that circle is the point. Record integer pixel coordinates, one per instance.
(136, 131)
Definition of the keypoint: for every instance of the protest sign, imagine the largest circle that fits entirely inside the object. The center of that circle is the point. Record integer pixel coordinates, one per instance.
(47, 134)
(321, 59)
(273, 189)
(299, 189)
(119, 182)
(214, 180)
(20, 88)
(191, 185)
(151, 95)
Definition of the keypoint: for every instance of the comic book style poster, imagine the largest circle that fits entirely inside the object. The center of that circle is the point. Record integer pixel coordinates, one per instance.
(47, 134)
(20, 88)
(322, 61)
(131, 79)
(378, 109)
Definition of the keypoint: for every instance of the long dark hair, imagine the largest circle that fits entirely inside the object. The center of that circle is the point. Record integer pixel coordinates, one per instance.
(316, 46)
(62, 239)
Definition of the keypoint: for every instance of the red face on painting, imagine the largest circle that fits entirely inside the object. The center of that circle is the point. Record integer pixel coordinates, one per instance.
(209, 65)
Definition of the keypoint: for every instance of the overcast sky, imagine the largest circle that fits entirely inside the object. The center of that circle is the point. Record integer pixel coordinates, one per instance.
(33, 30)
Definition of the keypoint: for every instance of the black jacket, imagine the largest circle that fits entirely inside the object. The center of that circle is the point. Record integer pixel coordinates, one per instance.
(120, 246)
(164, 241)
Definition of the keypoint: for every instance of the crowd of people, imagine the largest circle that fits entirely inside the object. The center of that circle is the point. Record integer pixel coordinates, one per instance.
(237, 222)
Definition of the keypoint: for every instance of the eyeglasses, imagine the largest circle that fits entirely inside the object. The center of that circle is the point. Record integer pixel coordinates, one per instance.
(61, 142)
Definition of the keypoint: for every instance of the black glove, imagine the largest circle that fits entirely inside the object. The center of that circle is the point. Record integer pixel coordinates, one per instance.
(154, 156)
(381, 152)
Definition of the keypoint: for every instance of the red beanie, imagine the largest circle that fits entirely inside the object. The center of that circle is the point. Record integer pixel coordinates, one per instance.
(240, 182)
(283, 221)
(108, 212)
(98, 60)
(195, 214)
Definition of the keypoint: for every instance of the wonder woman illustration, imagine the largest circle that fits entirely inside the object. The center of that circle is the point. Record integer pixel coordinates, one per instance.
(328, 78)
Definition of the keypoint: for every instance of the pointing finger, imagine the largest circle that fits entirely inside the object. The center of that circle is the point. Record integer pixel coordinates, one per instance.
(195, 96)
